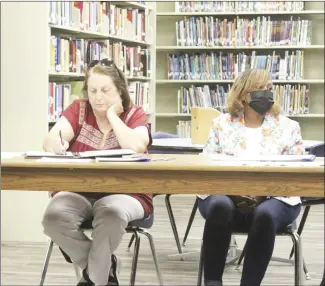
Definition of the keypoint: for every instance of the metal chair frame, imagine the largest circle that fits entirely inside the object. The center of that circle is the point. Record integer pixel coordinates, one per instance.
(297, 256)
(172, 223)
(130, 229)
(239, 254)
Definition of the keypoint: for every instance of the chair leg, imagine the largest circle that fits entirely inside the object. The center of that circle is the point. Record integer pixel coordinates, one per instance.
(130, 243)
(135, 258)
(301, 225)
(296, 241)
(46, 263)
(172, 222)
(190, 220)
(200, 272)
(241, 258)
(323, 280)
(77, 271)
(154, 256)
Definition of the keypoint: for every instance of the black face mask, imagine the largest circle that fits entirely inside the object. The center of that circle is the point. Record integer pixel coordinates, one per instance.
(261, 101)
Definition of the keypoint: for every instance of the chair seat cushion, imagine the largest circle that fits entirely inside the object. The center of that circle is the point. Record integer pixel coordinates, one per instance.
(142, 223)
(288, 229)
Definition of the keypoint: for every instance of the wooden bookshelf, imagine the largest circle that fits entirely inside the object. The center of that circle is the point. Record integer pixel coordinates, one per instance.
(167, 115)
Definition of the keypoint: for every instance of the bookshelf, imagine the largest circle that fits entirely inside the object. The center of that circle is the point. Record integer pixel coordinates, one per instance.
(124, 34)
(168, 15)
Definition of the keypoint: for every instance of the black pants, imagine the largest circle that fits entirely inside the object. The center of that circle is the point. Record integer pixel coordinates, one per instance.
(222, 218)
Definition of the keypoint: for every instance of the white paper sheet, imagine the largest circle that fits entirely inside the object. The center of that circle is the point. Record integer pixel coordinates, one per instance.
(10, 155)
(272, 164)
(274, 158)
(123, 159)
(63, 160)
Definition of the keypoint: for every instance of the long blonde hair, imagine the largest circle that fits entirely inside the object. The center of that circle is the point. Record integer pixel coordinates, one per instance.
(248, 81)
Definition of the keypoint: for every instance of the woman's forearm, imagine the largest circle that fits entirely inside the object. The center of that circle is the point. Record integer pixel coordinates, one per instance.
(128, 138)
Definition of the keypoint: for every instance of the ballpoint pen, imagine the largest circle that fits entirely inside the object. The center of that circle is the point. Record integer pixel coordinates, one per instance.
(60, 134)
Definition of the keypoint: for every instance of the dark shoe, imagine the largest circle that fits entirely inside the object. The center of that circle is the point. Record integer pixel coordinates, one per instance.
(114, 272)
(87, 281)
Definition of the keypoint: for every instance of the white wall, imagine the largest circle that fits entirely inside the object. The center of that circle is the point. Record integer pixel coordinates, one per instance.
(24, 91)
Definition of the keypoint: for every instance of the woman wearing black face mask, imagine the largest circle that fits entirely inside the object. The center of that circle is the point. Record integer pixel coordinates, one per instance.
(252, 127)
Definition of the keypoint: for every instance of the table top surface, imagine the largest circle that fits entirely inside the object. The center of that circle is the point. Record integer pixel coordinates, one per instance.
(197, 163)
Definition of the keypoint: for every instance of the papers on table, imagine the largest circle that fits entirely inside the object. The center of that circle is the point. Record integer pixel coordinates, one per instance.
(272, 164)
(258, 161)
(35, 154)
(78, 155)
(126, 158)
(272, 158)
(11, 155)
(63, 160)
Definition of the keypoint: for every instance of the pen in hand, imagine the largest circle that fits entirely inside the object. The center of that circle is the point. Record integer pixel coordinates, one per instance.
(62, 142)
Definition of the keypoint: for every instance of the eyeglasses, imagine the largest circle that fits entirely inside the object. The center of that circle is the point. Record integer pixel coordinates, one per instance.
(104, 62)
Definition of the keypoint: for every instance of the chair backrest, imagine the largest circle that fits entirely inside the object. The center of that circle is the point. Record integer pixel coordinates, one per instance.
(201, 123)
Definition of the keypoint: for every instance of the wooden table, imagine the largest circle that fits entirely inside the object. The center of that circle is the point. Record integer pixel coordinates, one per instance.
(183, 174)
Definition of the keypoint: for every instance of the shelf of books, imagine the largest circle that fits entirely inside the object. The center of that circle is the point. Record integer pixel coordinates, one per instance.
(201, 47)
(84, 31)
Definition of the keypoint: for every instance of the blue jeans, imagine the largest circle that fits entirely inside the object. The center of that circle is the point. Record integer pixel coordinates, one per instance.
(222, 218)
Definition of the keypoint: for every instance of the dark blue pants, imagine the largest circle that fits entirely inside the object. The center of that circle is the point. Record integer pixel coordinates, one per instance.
(222, 218)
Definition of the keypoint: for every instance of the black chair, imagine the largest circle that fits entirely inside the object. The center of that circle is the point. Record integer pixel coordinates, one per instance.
(136, 227)
(164, 135)
(306, 203)
(171, 220)
(289, 231)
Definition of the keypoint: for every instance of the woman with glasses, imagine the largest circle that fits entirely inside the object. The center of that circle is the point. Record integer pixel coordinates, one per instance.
(105, 119)
(252, 127)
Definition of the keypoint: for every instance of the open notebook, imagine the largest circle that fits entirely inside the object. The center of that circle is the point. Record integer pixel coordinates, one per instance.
(79, 155)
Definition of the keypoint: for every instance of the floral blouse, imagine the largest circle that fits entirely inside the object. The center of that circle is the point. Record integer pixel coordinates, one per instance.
(280, 136)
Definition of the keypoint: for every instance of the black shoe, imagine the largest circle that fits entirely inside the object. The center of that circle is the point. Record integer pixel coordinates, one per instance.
(86, 277)
(114, 272)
